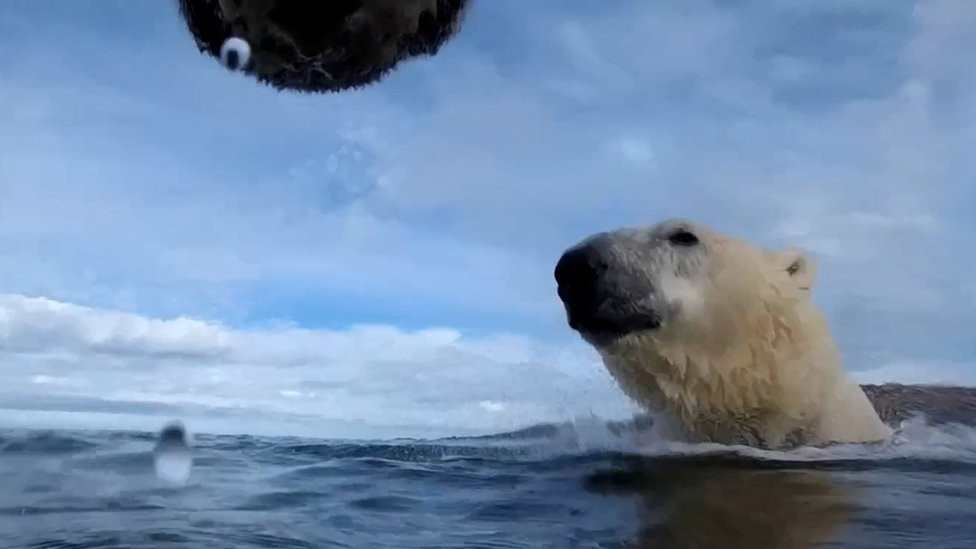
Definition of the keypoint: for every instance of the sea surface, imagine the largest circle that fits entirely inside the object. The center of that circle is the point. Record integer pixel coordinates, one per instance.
(572, 486)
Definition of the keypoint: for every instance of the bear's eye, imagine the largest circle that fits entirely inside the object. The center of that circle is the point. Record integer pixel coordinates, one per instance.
(682, 237)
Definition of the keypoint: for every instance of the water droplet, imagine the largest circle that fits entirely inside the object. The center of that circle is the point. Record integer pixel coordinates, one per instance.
(235, 53)
(172, 457)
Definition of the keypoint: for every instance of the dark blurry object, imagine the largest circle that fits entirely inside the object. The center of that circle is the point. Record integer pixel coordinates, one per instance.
(172, 457)
(173, 435)
(320, 45)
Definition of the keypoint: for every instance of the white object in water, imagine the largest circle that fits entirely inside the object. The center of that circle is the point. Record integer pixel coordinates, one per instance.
(235, 53)
(172, 457)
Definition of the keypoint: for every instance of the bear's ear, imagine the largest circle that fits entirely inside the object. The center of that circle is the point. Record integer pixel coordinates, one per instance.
(798, 266)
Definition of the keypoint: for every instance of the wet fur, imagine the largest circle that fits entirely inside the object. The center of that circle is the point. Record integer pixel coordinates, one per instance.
(743, 356)
(324, 45)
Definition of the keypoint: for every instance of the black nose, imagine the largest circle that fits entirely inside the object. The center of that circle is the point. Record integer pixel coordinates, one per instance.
(578, 271)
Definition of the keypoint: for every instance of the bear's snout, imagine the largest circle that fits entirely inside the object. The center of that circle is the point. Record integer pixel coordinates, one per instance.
(580, 268)
(581, 278)
(603, 295)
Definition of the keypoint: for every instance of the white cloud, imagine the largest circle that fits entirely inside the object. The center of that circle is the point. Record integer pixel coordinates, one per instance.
(636, 150)
(367, 379)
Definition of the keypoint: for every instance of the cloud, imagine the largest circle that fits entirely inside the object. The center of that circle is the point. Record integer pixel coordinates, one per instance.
(146, 179)
(367, 379)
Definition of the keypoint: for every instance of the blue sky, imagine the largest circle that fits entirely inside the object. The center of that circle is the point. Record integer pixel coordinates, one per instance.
(141, 184)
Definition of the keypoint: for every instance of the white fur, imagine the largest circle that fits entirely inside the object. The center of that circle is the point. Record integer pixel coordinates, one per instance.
(747, 358)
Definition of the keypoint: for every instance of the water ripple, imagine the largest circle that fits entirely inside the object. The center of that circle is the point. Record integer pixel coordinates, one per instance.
(559, 489)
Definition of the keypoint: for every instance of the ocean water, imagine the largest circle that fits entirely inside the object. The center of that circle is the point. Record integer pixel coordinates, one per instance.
(573, 486)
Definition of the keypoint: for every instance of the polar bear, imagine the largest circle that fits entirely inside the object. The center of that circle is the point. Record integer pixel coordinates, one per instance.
(717, 337)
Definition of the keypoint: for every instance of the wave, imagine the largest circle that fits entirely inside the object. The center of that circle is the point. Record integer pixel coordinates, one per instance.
(599, 482)
(914, 439)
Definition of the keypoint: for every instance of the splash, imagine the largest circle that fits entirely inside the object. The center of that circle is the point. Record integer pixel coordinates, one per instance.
(172, 457)
(915, 438)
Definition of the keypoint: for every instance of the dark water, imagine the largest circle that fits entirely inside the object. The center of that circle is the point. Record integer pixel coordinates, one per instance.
(575, 488)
